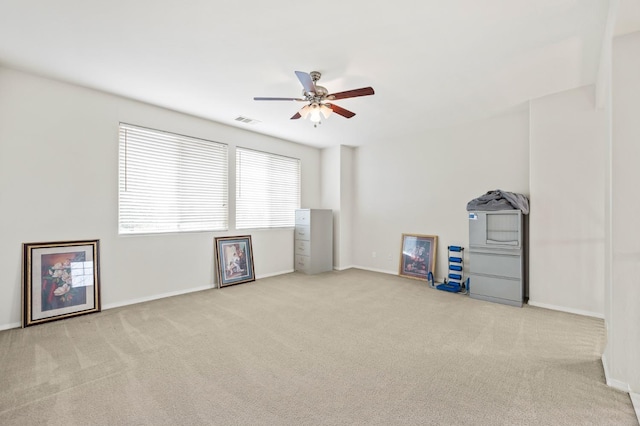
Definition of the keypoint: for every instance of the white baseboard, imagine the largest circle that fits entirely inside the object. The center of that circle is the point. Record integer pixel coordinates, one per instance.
(274, 274)
(177, 293)
(343, 268)
(10, 326)
(150, 298)
(154, 297)
(635, 399)
(605, 367)
(383, 271)
(565, 309)
(616, 384)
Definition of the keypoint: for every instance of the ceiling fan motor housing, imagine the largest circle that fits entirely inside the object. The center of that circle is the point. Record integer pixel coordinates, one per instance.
(318, 95)
(320, 92)
(315, 76)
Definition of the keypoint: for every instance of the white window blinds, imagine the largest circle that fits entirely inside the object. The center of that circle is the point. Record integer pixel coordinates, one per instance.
(171, 183)
(267, 189)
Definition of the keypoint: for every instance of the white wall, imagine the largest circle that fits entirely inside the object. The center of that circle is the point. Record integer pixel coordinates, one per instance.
(330, 194)
(346, 207)
(59, 177)
(421, 184)
(337, 195)
(623, 320)
(567, 224)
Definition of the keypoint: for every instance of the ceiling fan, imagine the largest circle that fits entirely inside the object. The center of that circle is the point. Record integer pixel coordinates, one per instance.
(317, 98)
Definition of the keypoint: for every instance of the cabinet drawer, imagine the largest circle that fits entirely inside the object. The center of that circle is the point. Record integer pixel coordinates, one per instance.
(500, 265)
(302, 263)
(502, 288)
(303, 247)
(302, 233)
(303, 217)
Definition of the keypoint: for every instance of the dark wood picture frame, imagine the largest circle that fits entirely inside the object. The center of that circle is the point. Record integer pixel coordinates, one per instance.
(60, 280)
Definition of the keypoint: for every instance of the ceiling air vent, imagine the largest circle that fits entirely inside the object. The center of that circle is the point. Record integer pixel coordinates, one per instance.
(247, 120)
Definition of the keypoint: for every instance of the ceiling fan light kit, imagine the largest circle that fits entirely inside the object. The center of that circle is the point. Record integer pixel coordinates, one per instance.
(317, 96)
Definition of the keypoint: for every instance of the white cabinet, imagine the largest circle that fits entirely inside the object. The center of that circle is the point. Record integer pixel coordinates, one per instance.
(313, 241)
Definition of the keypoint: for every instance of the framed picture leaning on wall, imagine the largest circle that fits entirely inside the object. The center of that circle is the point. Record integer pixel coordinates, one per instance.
(60, 280)
(418, 255)
(234, 260)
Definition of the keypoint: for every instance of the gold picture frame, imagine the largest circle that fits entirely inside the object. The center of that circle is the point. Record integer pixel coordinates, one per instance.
(418, 256)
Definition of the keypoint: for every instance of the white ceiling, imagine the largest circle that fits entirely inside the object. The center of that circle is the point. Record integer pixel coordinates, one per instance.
(431, 63)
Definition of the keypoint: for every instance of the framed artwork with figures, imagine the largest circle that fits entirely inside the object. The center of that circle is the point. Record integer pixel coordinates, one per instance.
(234, 260)
(418, 255)
(60, 280)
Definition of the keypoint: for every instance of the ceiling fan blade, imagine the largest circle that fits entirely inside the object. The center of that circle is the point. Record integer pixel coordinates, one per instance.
(341, 111)
(296, 116)
(306, 81)
(259, 98)
(365, 91)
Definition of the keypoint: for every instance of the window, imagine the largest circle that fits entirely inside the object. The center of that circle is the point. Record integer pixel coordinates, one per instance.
(267, 189)
(171, 183)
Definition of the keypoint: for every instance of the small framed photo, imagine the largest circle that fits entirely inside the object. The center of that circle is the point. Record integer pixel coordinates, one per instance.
(234, 259)
(418, 256)
(60, 280)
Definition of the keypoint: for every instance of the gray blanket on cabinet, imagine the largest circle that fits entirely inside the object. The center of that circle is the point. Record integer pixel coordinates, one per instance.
(499, 200)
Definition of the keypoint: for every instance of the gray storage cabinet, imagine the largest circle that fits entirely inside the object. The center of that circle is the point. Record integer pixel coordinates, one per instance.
(313, 241)
(496, 256)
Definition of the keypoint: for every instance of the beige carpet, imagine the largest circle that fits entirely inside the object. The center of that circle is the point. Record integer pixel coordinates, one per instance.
(341, 348)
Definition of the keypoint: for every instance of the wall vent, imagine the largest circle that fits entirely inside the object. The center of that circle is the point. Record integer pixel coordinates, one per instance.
(246, 120)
